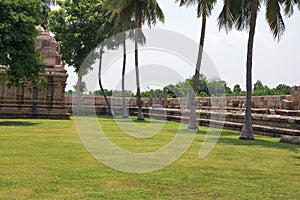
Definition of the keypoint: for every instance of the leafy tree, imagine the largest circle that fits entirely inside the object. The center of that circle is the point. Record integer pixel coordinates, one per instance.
(69, 92)
(204, 8)
(243, 15)
(258, 85)
(260, 90)
(18, 40)
(218, 87)
(77, 25)
(282, 89)
(237, 89)
(181, 89)
(100, 93)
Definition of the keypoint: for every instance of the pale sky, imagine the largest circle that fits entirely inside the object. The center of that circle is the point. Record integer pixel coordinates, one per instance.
(273, 63)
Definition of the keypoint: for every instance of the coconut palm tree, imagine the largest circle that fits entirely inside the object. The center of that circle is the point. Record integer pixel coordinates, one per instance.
(204, 8)
(242, 14)
(121, 21)
(140, 11)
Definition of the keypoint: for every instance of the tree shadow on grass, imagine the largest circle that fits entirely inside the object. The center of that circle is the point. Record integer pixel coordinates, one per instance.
(227, 139)
(232, 138)
(18, 123)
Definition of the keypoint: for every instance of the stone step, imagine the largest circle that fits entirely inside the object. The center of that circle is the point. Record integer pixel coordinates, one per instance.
(258, 129)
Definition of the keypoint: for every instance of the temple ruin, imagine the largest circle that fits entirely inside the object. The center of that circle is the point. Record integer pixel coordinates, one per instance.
(46, 99)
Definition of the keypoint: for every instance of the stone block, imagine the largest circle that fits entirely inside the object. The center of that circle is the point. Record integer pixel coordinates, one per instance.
(290, 139)
(287, 105)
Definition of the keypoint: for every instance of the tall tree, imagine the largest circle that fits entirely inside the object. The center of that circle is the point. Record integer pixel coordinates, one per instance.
(242, 14)
(77, 25)
(18, 40)
(204, 8)
(141, 11)
(122, 21)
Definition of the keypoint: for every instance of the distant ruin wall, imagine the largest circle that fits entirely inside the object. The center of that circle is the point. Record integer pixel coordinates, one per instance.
(287, 102)
(272, 115)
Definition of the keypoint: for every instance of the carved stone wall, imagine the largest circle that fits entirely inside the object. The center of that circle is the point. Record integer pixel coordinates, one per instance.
(45, 100)
(286, 102)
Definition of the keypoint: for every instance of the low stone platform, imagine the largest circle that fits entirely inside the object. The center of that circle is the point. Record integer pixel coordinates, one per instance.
(290, 139)
(267, 125)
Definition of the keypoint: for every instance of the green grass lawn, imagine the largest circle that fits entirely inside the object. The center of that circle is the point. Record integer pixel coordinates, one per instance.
(45, 159)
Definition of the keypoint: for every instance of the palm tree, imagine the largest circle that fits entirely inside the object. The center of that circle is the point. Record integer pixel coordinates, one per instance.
(145, 10)
(141, 11)
(122, 21)
(243, 14)
(204, 8)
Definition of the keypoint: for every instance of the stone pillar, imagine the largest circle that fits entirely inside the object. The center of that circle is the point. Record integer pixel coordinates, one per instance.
(155, 97)
(160, 98)
(150, 99)
(188, 99)
(295, 97)
(165, 98)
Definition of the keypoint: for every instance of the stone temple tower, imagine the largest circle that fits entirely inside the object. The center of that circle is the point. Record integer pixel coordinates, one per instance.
(46, 99)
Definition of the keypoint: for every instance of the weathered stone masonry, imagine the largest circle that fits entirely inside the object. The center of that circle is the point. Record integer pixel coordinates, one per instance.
(272, 115)
(45, 100)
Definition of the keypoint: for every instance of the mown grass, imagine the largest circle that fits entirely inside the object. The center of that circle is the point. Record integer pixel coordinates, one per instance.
(45, 159)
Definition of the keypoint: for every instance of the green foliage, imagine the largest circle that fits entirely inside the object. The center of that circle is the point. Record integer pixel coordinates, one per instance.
(77, 26)
(204, 7)
(117, 93)
(82, 87)
(146, 94)
(237, 89)
(263, 90)
(218, 87)
(18, 40)
(99, 92)
(69, 93)
(181, 89)
(45, 11)
(282, 89)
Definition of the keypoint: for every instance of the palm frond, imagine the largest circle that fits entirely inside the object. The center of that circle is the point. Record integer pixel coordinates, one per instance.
(225, 18)
(274, 18)
(242, 14)
(289, 7)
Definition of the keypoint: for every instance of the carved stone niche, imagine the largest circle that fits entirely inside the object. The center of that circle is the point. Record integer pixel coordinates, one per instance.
(50, 48)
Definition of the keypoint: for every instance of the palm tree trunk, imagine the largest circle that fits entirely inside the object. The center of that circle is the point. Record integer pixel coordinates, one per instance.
(247, 132)
(78, 91)
(193, 122)
(100, 83)
(138, 26)
(125, 112)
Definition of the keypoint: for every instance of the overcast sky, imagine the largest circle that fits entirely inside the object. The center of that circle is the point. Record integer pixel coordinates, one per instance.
(273, 63)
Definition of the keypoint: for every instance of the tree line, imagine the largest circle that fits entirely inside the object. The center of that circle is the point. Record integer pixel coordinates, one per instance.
(82, 24)
(206, 88)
